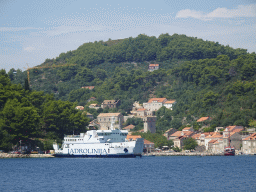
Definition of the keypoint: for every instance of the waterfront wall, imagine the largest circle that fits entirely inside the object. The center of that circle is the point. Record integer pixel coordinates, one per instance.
(7, 155)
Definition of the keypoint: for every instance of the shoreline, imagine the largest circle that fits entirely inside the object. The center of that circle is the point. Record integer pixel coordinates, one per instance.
(201, 154)
(8, 155)
(183, 154)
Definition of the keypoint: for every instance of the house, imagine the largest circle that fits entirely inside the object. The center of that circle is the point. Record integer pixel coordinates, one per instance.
(169, 132)
(175, 135)
(80, 107)
(89, 115)
(215, 146)
(200, 137)
(188, 129)
(249, 144)
(169, 104)
(105, 120)
(129, 127)
(214, 136)
(110, 103)
(154, 104)
(148, 146)
(94, 106)
(153, 67)
(88, 87)
(181, 133)
(178, 141)
(141, 112)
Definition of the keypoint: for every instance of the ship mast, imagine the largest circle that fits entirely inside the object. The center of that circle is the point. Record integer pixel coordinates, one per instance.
(229, 138)
(112, 123)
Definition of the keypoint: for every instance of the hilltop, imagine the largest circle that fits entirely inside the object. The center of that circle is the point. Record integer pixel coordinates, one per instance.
(204, 77)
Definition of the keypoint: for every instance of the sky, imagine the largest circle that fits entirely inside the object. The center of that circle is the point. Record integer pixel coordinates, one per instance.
(32, 31)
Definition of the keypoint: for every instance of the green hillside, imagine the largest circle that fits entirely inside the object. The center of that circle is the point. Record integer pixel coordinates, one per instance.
(205, 78)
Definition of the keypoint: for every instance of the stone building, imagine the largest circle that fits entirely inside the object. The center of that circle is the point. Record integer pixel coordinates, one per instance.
(105, 120)
(153, 105)
(110, 103)
(235, 140)
(141, 112)
(249, 144)
(148, 146)
(149, 124)
(169, 132)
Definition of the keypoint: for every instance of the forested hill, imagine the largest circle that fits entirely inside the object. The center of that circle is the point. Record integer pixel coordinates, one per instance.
(205, 78)
(145, 48)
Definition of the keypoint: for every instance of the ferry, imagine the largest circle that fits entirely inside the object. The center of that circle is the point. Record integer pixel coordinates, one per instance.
(100, 144)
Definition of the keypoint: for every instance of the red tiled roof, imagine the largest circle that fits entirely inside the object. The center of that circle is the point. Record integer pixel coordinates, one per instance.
(153, 65)
(133, 137)
(129, 127)
(186, 128)
(212, 141)
(176, 134)
(148, 142)
(160, 100)
(251, 137)
(141, 109)
(188, 133)
(235, 128)
(208, 133)
(181, 133)
(214, 135)
(203, 119)
(171, 101)
(196, 136)
(230, 134)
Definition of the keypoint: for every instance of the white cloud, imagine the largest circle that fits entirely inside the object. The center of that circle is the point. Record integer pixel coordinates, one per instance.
(241, 11)
(29, 49)
(62, 30)
(16, 28)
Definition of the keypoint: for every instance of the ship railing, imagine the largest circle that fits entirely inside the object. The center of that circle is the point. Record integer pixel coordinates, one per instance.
(73, 136)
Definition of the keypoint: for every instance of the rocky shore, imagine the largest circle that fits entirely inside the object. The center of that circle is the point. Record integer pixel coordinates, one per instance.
(8, 155)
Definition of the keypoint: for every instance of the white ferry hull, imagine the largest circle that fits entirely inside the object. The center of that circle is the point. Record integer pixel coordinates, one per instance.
(97, 156)
(103, 150)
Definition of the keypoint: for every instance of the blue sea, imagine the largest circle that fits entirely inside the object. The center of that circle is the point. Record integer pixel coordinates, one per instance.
(178, 173)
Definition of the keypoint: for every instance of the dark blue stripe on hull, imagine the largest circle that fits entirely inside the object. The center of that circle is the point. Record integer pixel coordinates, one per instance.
(96, 156)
